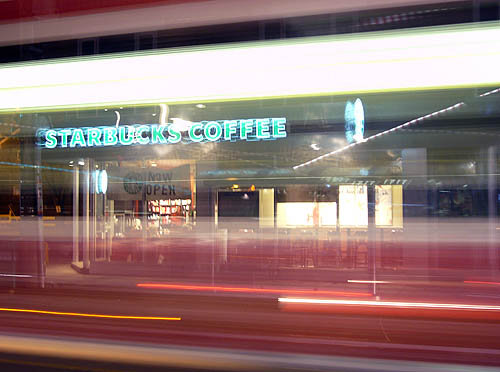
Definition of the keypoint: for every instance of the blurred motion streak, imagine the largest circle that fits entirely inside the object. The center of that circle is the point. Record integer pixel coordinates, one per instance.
(392, 304)
(480, 282)
(89, 315)
(250, 290)
(369, 281)
(314, 177)
(393, 308)
(72, 83)
(17, 275)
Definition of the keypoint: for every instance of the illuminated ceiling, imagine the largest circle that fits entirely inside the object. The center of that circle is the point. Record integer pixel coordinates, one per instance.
(418, 59)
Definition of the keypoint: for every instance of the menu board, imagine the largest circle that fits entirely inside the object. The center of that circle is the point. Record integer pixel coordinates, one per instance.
(327, 214)
(353, 206)
(308, 214)
(383, 205)
(295, 214)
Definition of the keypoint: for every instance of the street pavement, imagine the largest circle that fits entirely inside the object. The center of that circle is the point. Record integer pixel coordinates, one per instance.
(252, 318)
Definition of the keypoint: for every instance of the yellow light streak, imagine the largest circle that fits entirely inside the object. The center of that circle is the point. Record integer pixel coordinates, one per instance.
(88, 315)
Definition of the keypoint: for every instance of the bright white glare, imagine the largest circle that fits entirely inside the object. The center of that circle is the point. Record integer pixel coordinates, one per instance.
(164, 111)
(438, 57)
(117, 118)
(355, 121)
(101, 181)
(103, 178)
(388, 304)
(181, 125)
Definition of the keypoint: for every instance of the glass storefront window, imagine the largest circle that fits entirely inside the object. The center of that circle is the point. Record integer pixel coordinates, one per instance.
(337, 180)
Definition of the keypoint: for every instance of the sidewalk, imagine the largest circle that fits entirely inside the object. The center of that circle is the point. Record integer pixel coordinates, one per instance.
(394, 287)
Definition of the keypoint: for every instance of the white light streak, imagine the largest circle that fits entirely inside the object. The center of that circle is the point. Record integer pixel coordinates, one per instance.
(398, 304)
(17, 275)
(369, 281)
(490, 92)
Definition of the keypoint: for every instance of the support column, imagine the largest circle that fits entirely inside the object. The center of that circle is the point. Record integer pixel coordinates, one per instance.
(372, 238)
(144, 223)
(111, 231)
(86, 215)
(92, 210)
(30, 255)
(214, 230)
(76, 213)
(415, 210)
(492, 210)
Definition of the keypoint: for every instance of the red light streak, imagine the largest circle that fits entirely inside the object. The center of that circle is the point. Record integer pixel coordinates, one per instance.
(249, 290)
(479, 282)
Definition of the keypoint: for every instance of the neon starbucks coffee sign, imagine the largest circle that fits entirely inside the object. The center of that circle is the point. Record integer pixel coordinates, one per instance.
(150, 134)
